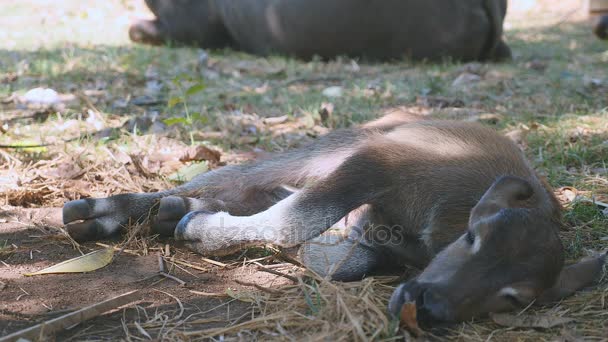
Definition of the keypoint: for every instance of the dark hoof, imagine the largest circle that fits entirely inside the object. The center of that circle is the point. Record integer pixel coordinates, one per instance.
(180, 229)
(146, 32)
(89, 219)
(85, 231)
(76, 210)
(502, 53)
(170, 211)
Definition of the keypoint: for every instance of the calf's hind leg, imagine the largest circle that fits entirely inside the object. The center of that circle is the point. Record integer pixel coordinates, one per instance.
(93, 218)
(246, 189)
(296, 219)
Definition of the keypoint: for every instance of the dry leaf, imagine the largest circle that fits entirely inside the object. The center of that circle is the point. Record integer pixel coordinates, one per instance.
(529, 321)
(141, 166)
(568, 193)
(276, 120)
(84, 263)
(188, 172)
(201, 152)
(66, 171)
(408, 320)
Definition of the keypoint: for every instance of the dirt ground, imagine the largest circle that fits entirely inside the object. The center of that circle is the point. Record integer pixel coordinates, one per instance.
(126, 119)
(28, 300)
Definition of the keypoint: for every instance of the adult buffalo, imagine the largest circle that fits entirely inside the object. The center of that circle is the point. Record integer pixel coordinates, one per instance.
(600, 27)
(378, 30)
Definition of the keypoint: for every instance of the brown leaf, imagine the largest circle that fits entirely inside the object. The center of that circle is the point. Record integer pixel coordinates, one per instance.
(408, 320)
(140, 165)
(201, 152)
(568, 193)
(66, 171)
(276, 120)
(529, 321)
(75, 189)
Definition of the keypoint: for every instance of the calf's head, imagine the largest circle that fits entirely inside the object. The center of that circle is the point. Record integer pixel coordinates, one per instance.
(509, 256)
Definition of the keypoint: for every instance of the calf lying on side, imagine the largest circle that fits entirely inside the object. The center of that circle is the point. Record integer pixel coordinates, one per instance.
(454, 198)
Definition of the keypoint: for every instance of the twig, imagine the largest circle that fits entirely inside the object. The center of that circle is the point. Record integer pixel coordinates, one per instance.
(167, 275)
(213, 262)
(179, 302)
(312, 80)
(161, 263)
(273, 266)
(62, 322)
(25, 146)
(183, 263)
(209, 294)
(280, 274)
(129, 251)
(259, 287)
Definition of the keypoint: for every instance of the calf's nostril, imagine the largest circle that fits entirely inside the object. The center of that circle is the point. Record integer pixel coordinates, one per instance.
(432, 308)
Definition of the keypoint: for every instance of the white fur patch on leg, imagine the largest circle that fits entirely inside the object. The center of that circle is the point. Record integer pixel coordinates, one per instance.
(221, 232)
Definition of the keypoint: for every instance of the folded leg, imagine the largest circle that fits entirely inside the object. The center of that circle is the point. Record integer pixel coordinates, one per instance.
(345, 258)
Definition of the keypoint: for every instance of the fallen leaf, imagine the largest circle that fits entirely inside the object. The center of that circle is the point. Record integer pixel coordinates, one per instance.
(408, 320)
(66, 171)
(44, 96)
(334, 91)
(276, 120)
(84, 263)
(188, 172)
(569, 193)
(529, 321)
(465, 79)
(140, 164)
(201, 152)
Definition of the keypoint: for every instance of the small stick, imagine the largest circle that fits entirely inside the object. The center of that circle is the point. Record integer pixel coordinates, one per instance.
(179, 262)
(213, 262)
(161, 263)
(280, 274)
(209, 294)
(259, 287)
(167, 275)
(62, 322)
(273, 266)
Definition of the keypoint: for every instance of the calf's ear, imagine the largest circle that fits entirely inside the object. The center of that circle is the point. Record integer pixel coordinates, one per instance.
(506, 192)
(575, 277)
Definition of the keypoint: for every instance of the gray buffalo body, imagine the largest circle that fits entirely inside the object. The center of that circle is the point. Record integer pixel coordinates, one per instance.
(375, 29)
